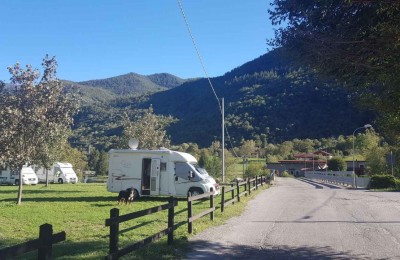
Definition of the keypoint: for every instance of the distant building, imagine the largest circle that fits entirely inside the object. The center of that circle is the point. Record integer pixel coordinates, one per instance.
(359, 166)
(312, 162)
(303, 162)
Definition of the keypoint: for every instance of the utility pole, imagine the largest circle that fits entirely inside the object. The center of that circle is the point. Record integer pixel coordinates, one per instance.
(223, 142)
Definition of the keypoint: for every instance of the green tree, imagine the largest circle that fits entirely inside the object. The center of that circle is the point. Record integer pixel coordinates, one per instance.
(34, 116)
(149, 129)
(355, 42)
(75, 157)
(102, 164)
(337, 164)
(248, 148)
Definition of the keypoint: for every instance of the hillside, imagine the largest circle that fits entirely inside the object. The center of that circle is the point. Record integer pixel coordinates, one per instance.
(268, 95)
(133, 83)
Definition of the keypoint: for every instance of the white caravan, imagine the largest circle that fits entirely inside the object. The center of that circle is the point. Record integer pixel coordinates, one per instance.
(157, 172)
(59, 173)
(12, 177)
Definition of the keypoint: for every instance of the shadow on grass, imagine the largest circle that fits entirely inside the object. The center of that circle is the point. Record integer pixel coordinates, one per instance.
(40, 191)
(213, 250)
(66, 199)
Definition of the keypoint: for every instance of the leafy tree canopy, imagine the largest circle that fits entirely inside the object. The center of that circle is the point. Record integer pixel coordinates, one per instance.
(356, 42)
(34, 116)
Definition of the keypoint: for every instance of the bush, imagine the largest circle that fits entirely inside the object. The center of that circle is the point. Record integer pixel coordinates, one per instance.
(256, 169)
(383, 182)
(337, 164)
(397, 184)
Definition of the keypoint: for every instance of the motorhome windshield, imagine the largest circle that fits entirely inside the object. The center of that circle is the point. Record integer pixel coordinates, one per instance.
(67, 171)
(200, 170)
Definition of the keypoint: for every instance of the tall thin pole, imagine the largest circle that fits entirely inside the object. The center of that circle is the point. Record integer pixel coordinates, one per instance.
(391, 161)
(223, 142)
(354, 165)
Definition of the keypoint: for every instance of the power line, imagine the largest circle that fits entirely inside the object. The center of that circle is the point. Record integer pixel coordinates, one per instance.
(198, 54)
(204, 69)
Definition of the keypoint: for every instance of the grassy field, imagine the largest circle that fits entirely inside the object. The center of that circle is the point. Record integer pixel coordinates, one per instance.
(81, 209)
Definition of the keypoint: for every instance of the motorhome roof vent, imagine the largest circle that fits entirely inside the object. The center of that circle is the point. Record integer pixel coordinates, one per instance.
(164, 149)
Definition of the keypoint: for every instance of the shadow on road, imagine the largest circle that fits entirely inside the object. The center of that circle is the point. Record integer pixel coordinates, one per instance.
(317, 186)
(214, 250)
(319, 183)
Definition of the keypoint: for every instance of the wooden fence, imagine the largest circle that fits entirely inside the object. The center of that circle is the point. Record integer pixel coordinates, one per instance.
(115, 219)
(44, 244)
(247, 186)
(210, 211)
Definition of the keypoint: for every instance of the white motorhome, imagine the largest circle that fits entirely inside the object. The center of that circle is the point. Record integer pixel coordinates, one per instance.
(12, 177)
(60, 172)
(157, 172)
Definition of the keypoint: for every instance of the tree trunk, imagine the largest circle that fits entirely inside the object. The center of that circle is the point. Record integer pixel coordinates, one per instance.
(47, 177)
(20, 187)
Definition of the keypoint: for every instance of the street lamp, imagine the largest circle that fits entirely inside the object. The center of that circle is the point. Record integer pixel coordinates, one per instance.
(354, 172)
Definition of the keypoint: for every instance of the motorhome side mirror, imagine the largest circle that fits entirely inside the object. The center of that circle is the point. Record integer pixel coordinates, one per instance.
(191, 174)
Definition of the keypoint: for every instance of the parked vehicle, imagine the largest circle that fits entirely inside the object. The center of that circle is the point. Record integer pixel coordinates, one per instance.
(60, 172)
(157, 172)
(12, 177)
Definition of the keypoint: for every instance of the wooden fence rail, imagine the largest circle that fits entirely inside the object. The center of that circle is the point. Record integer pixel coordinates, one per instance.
(210, 211)
(115, 219)
(44, 244)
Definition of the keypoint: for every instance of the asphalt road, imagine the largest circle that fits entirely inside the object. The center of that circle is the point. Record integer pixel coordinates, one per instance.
(304, 219)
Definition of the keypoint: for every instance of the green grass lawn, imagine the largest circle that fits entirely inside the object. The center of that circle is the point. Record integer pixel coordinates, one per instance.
(81, 209)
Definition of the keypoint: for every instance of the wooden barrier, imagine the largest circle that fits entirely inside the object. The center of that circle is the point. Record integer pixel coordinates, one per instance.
(231, 200)
(115, 219)
(44, 244)
(210, 211)
(241, 194)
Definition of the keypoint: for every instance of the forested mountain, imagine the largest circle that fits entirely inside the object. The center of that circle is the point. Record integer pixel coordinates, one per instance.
(133, 83)
(269, 96)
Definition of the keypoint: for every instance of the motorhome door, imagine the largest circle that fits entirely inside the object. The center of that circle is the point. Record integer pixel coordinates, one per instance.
(155, 177)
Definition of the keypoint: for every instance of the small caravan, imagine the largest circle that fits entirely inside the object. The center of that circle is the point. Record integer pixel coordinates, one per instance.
(12, 177)
(60, 172)
(157, 172)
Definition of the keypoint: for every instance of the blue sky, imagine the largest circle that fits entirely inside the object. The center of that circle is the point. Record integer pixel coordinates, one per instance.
(95, 39)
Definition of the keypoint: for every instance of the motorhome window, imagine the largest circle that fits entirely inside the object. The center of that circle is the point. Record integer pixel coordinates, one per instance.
(182, 170)
(163, 167)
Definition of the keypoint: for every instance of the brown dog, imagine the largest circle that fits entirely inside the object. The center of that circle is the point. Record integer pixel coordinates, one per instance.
(126, 196)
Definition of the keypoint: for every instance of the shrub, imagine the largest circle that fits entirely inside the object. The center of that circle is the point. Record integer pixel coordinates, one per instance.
(337, 164)
(397, 184)
(256, 169)
(383, 182)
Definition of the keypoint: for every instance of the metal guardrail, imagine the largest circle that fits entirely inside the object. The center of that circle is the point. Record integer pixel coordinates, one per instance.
(341, 178)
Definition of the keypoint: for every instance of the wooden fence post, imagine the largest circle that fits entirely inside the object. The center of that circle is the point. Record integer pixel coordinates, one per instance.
(238, 191)
(223, 199)
(233, 193)
(189, 206)
(171, 220)
(114, 230)
(211, 205)
(46, 243)
(249, 184)
(256, 182)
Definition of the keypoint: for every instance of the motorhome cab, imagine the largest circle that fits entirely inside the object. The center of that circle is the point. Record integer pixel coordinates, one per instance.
(157, 172)
(59, 173)
(12, 177)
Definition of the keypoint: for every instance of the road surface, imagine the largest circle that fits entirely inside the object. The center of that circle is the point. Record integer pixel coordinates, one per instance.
(304, 219)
